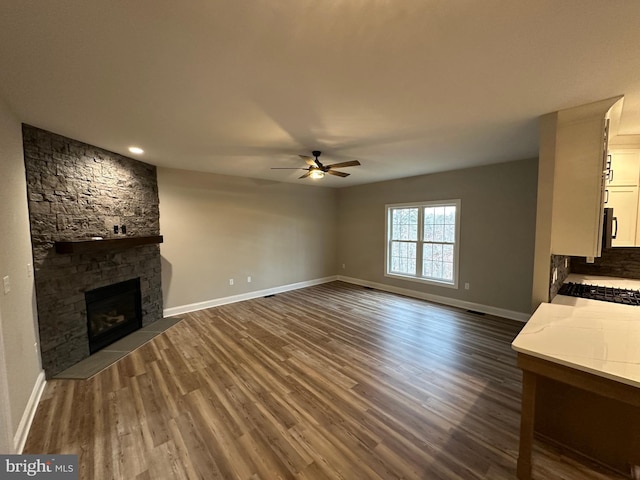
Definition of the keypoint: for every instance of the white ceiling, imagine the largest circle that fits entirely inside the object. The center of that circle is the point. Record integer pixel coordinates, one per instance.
(236, 87)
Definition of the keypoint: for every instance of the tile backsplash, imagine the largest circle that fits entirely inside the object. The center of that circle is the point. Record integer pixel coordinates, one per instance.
(615, 262)
(563, 264)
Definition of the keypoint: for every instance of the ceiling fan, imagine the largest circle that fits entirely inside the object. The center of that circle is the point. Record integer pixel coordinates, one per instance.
(317, 169)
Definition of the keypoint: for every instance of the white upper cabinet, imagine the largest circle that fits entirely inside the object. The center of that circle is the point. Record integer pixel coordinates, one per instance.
(624, 201)
(623, 168)
(576, 154)
(623, 180)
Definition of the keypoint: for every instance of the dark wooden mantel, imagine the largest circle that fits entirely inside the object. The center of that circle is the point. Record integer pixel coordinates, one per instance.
(89, 246)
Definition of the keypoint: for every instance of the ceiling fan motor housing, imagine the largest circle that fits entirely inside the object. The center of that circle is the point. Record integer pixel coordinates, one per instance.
(320, 166)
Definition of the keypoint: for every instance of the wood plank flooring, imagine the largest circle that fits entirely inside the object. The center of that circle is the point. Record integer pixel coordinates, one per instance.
(328, 382)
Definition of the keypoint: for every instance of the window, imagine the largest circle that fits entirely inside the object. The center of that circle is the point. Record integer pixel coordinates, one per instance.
(422, 242)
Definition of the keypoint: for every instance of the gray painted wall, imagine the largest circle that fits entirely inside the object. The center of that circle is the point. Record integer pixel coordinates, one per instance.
(17, 308)
(498, 215)
(218, 227)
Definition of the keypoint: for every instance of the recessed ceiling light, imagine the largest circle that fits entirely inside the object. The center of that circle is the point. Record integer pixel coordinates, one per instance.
(136, 150)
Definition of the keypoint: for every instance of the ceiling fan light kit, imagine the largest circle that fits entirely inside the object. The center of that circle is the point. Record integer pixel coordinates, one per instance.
(317, 170)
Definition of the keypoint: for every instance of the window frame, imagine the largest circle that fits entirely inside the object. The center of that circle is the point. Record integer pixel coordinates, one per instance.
(420, 242)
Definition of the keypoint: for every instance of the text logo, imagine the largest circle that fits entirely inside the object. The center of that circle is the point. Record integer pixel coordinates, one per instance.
(49, 467)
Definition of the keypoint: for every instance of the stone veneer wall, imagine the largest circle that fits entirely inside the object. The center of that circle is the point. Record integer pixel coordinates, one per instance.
(77, 191)
(614, 262)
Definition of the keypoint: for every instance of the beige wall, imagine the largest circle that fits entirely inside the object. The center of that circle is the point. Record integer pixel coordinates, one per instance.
(219, 227)
(17, 308)
(498, 215)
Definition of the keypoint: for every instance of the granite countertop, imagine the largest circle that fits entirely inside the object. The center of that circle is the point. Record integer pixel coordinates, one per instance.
(592, 336)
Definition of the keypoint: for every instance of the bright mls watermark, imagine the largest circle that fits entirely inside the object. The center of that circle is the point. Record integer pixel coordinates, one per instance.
(50, 467)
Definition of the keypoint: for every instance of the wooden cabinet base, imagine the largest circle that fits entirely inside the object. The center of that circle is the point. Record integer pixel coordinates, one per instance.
(600, 428)
(592, 416)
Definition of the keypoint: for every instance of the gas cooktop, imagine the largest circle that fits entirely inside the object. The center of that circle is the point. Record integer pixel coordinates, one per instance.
(606, 294)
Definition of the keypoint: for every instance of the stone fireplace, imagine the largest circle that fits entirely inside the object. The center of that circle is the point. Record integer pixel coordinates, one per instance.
(76, 193)
(113, 312)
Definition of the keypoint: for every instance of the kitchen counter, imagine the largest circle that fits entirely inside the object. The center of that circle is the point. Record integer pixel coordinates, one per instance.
(597, 337)
(581, 377)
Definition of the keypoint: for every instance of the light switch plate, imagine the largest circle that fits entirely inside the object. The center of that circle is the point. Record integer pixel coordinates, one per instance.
(6, 284)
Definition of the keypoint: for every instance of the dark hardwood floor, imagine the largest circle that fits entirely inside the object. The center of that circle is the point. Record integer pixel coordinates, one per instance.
(328, 382)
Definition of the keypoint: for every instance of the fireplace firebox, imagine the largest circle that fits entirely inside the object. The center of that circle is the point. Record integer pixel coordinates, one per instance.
(113, 312)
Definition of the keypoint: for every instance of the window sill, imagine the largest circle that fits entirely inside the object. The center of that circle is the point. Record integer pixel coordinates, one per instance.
(426, 281)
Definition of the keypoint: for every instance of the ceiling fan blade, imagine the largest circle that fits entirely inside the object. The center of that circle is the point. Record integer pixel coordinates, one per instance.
(287, 168)
(352, 163)
(305, 175)
(337, 173)
(308, 159)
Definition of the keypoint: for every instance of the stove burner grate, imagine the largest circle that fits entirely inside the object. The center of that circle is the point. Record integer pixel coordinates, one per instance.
(605, 294)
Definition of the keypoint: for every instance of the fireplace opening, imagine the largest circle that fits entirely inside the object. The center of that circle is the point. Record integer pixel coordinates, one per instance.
(113, 312)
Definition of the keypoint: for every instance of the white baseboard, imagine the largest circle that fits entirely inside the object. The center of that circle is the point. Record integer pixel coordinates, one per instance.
(499, 312)
(453, 302)
(24, 426)
(169, 312)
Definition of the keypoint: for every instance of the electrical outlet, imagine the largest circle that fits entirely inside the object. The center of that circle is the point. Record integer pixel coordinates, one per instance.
(467, 286)
(6, 284)
(249, 279)
(231, 281)
(344, 266)
(591, 260)
(29, 270)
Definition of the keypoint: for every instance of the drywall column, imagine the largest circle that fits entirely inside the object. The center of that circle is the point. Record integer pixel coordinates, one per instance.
(542, 254)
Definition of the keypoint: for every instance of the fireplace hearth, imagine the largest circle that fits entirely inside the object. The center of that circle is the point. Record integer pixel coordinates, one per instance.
(113, 312)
